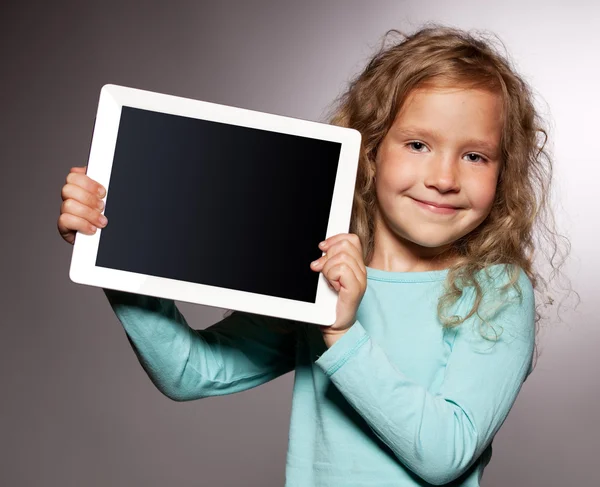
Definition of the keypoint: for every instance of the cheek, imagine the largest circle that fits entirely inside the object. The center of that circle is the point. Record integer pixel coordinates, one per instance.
(395, 174)
(392, 183)
(482, 195)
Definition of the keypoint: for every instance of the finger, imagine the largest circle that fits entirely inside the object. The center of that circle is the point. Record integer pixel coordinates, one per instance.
(351, 237)
(74, 192)
(317, 266)
(337, 267)
(341, 275)
(68, 225)
(348, 252)
(92, 215)
(87, 183)
(343, 258)
(79, 169)
(345, 245)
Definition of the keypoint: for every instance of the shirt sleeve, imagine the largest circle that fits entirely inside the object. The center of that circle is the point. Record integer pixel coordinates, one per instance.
(439, 436)
(240, 352)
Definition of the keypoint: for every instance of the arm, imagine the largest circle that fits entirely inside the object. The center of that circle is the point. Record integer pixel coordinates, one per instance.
(240, 352)
(439, 436)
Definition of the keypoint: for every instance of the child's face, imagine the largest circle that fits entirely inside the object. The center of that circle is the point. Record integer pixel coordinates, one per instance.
(443, 147)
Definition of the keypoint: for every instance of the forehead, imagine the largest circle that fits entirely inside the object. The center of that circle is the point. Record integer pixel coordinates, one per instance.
(453, 113)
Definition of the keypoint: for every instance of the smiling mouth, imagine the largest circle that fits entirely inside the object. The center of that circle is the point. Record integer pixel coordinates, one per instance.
(440, 210)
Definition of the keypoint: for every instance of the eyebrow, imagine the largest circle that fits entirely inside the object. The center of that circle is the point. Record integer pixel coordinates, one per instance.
(488, 147)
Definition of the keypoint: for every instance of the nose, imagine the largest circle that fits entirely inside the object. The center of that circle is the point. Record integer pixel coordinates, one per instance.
(443, 173)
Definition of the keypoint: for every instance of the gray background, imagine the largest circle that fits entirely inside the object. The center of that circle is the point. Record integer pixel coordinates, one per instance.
(76, 407)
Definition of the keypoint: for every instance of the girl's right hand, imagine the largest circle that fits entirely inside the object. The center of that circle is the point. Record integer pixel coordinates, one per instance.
(82, 206)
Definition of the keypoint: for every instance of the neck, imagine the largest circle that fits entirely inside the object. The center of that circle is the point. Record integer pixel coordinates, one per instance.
(393, 253)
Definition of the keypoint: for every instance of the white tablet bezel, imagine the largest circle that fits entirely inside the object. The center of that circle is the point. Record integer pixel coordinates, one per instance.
(83, 269)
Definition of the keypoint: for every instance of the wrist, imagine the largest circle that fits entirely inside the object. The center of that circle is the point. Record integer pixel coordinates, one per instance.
(331, 338)
(332, 335)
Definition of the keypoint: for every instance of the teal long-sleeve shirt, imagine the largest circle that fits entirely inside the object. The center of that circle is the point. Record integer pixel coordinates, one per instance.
(396, 401)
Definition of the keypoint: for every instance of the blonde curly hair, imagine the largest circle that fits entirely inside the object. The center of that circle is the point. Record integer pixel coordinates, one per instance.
(437, 55)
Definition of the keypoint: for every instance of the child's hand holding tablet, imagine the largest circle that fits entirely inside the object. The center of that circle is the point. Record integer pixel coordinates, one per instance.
(240, 192)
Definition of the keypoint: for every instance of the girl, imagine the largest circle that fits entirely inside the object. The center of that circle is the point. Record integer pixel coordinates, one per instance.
(435, 326)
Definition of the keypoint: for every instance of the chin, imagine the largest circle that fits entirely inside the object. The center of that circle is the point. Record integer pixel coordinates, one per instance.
(431, 241)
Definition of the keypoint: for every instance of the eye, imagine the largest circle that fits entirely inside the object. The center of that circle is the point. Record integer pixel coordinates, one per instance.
(472, 157)
(416, 146)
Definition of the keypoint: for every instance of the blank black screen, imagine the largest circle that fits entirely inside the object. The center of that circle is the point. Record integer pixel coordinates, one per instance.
(218, 204)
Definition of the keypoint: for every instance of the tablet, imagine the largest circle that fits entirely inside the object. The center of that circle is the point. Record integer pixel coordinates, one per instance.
(216, 205)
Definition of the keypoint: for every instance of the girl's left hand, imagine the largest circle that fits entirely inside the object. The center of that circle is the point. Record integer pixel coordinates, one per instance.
(343, 267)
